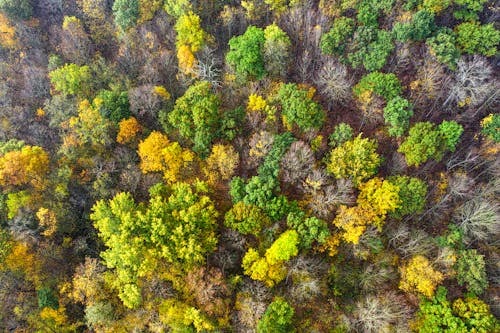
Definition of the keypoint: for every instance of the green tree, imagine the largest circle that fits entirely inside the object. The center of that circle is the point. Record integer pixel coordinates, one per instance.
(412, 193)
(343, 132)
(451, 131)
(356, 159)
(113, 105)
(333, 42)
(469, 9)
(471, 271)
(491, 126)
(419, 28)
(469, 315)
(276, 50)
(246, 218)
(423, 142)
(443, 47)
(370, 48)
(17, 8)
(397, 113)
(310, 229)
(473, 38)
(71, 79)
(278, 318)
(385, 85)
(369, 11)
(126, 13)
(298, 108)
(196, 116)
(245, 54)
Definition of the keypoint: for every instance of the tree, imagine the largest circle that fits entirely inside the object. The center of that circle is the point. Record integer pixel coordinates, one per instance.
(75, 44)
(17, 8)
(419, 276)
(29, 165)
(158, 154)
(423, 142)
(113, 105)
(342, 133)
(245, 54)
(471, 271)
(451, 131)
(397, 113)
(222, 163)
(412, 193)
(71, 79)
(474, 38)
(380, 196)
(196, 116)
(298, 108)
(370, 48)
(278, 318)
(179, 229)
(246, 218)
(469, 9)
(465, 315)
(8, 37)
(382, 84)
(276, 51)
(491, 126)
(189, 32)
(90, 127)
(310, 229)
(419, 28)
(333, 42)
(356, 159)
(128, 130)
(126, 13)
(443, 47)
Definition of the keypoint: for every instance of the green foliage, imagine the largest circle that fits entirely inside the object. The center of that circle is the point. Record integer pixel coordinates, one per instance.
(196, 116)
(176, 8)
(179, 229)
(451, 131)
(278, 318)
(343, 132)
(71, 79)
(368, 10)
(370, 47)
(385, 85)
(298, 108)
(419, 28)
(310, 229)
(333, 42)
(17, 8)
(412, 193)
(453, 238)
(471, 271)
(126, 13)
(423, 142)
(113, 105)
(473, 38)
(469, 9)
(491, 127)
(356, 159)
(443, 47)
(46, 298)
(247, 219)
(397, 113)
(182, 318)
(276, 50)
(5, 245)
(100, 313)
(245, 54)
(10, 145)
(469, 315)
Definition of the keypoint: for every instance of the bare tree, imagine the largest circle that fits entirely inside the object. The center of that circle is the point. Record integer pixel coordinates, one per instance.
(334, 83)
(479, 220)
(297, 162)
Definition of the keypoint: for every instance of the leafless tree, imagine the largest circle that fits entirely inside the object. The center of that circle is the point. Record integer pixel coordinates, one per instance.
(334, 83)
(479, 219)
(297, 163)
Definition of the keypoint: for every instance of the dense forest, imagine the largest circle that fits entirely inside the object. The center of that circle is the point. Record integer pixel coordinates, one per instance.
(269, 166)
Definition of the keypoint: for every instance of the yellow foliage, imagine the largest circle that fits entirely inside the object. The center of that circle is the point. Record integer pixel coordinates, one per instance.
(70, 21)
(40, 113)
(379, 196)
(331, 245)
(147, 9)
(7, 33)
(47, 220)
(159, 155)
(28, 165)
(221, 163)
(128, 129)
(161, 91)
(21, 259)
(419, 276)
(256, 103)
(150, 152)
(186, 59)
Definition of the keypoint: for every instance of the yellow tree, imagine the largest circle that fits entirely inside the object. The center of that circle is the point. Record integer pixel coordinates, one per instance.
(419, 276)
(7, 33)
(221, 163)
(28, 165)
(128, 130)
